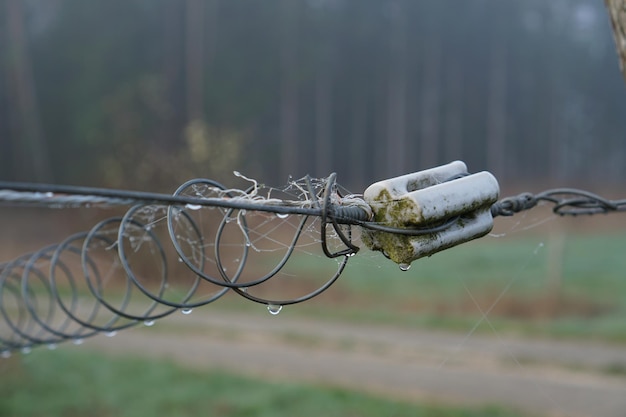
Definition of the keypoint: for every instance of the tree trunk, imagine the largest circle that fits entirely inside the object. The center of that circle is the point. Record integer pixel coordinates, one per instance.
(358, 140)
(429, 115)
(31, 155)
(396, 152)
(289, 89)
(323, 121)
(453, 133)
(172, 67)
(496, 109)
(195, 60)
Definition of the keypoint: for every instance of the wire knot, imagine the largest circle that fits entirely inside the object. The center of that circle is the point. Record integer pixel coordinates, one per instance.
(511, 205)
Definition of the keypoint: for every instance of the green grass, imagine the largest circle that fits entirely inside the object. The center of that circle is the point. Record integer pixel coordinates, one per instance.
(449, 290)
(587, 299)
(65, 383)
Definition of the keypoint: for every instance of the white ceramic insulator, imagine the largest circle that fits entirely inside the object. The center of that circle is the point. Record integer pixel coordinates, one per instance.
(428, 198)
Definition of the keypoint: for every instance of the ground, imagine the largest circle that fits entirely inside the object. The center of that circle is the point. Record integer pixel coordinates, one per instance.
(548, 377)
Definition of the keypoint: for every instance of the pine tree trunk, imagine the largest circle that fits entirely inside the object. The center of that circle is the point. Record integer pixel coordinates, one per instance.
(496, 109)
(453, 127)
(323, 122)
(31, 157)
(289, 90)
(173, 58)
(359, 140)
(195, 60)
(396, 152)
(429, 115)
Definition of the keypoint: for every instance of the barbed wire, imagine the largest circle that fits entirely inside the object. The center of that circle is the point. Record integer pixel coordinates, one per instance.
(60, 292)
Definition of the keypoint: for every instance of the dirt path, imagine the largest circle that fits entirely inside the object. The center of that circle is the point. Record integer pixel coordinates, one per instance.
(554, 378)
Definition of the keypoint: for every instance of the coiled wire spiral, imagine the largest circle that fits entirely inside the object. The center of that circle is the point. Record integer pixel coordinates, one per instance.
(167, 254)
(181, 251)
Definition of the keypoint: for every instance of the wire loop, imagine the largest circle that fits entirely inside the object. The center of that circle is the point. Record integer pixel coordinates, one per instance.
(120, 273)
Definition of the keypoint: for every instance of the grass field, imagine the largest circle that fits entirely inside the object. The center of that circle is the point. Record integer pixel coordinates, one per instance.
(69, 383)
(570, 285)
(573, 286)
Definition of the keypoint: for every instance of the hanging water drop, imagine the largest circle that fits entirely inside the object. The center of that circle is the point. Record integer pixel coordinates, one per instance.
(274, 309)
(282, 215)
(148, 323)
(186, 311)
(244, 289)
(350, 254)
(111, 333)
(404, 267)
(78, 341)
(193, 206)
(6, 354)
(26, 350)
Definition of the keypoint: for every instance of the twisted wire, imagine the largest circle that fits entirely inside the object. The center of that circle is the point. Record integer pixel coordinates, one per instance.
(566, 201)
(61, 292)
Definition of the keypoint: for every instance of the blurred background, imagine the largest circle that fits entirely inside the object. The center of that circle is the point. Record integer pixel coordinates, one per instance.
(146, 94)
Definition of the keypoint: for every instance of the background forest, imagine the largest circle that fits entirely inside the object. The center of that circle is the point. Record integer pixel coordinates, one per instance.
(149, 93)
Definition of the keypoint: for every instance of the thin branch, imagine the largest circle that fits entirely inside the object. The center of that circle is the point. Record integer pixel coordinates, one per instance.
(617, 13)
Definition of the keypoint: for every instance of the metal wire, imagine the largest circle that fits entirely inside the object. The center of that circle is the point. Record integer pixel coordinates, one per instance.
(62, 292)
(567, 201)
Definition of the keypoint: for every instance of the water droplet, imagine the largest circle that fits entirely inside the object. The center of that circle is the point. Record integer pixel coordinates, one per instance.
(78, 341)
(350, 254)
(186, 311)
(26, 350)
(274, 309)
(180, 259)
(404, 267)
(193, 206)
(248, 243)
(111, 333)
(49, 194)
(244, 289)
(51, 346)
(148, 323)
(282, 215)
(6, 354)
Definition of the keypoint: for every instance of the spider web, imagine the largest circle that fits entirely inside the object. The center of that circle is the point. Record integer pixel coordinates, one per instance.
(525, 261)
(254, 252)
(157, 259)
